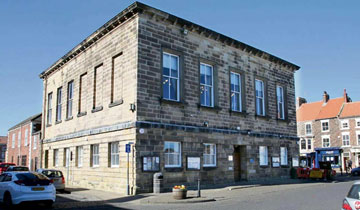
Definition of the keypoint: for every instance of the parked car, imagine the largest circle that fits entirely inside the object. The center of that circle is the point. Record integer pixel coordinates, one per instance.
(352, 201)
(355, 171)
(5, 166)
(55, 175)
(18, 187)
(17, 168)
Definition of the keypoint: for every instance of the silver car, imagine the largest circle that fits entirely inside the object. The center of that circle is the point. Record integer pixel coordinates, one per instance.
(55, 175)
(352, 200)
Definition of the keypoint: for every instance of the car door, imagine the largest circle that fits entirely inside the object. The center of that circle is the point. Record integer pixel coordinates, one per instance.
(2, 176)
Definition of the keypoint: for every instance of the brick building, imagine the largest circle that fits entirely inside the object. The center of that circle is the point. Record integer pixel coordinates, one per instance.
(329, 130)
(3, 142)
(24, 143)
(192, 102)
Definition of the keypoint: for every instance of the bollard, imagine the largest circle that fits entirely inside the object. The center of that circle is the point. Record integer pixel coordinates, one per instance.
(199, 190)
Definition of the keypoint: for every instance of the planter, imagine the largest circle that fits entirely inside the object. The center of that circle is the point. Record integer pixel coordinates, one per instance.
(179, 194)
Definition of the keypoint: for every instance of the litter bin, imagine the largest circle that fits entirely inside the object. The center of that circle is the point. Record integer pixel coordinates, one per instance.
(158, 182)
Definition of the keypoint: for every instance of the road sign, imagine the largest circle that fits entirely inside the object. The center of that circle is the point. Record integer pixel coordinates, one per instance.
(127, 148)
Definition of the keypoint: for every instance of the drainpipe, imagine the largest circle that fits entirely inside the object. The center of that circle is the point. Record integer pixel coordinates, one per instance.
(7, 148)
(43, 116)
(29, 143)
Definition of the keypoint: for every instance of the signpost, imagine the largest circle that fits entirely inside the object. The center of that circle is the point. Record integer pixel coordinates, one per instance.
(128, 150)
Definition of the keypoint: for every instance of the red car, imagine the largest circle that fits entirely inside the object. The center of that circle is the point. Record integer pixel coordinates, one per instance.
(4, 166)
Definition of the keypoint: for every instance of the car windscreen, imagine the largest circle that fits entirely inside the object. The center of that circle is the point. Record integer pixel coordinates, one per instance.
(19, 169)
(354, 192)
(52, 174)
(32, 179)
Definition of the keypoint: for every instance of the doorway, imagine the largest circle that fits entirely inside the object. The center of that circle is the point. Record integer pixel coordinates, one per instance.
(239, 159)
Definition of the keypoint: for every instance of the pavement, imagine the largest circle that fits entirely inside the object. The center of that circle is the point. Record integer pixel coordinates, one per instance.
(98, 197)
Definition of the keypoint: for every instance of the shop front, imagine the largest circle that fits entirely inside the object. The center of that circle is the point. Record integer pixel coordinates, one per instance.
(332, 154)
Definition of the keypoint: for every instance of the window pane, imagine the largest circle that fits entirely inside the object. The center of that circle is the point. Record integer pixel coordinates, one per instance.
(166, 64)
(173, 89)
(202, 74)
(174, 66)
(166, 87)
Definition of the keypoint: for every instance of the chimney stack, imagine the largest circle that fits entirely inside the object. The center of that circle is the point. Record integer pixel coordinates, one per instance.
(300, 101)
(325, 97)
(346, 98)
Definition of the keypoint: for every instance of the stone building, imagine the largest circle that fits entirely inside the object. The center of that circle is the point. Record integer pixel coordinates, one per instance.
(329, 130)
(3, 142)
(191, 102)
(23, 145)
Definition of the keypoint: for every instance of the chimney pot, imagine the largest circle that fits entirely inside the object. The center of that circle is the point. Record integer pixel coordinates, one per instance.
(325, 97)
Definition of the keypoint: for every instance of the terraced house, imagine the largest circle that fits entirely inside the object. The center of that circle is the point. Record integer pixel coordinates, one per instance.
(329, 130)
(191, 102)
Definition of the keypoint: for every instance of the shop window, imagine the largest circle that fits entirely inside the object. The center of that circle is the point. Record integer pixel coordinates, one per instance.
(210, 155)
(172, 152)
(263, 154)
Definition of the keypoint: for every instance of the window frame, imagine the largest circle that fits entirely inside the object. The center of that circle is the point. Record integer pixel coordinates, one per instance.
(70, 99)
(26, 137)
(240, 92)
(212, 104)
(357, 133)
(322, 141)
(357, 123)
(266, 156)
(322, 127)
(95, 156)
(281, 87)
(306, 133)
(19, 138)
(284, 160)
(49, 108)
(115, 155)
(307, 144)
(178, 78)
(342, 124)
(347, 140)
(58, 104)
(303, 140)
(35, 142)
(56, 158)
(179, 155)
(13, 140)
(79, 156)
(264, 98)
(112, 96)
(211, 155)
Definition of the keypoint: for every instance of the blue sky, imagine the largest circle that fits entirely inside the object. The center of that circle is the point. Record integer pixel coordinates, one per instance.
(320, 36)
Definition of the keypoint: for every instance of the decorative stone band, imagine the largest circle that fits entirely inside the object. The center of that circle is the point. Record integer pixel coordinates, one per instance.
(192, 128)
(168, 126)
(94, 131)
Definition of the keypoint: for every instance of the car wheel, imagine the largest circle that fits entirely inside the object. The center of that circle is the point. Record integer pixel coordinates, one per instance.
(8, 199)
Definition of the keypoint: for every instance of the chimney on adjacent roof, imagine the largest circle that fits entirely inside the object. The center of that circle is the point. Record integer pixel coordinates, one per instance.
(300, 101)
(346, 97)
(325, 97)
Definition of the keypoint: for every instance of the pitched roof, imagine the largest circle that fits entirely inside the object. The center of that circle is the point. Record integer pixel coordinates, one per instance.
(308, 111)
(138, 7)
(25, 121)
(351, 110)
(318, 110)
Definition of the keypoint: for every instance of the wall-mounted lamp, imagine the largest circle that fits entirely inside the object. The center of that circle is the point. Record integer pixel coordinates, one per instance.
(238, 128)
(132, 107)
(206, 124)
(184, 31)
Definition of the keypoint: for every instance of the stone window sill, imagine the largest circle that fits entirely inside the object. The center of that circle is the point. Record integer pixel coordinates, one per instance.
(241, 113)
(166, 101)
(175, 169)
(58, 122)
(80, 114)
(69, 118)
(210, 108)
(48, 125)
(266, 117)
(116, 103)
(97, 109)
